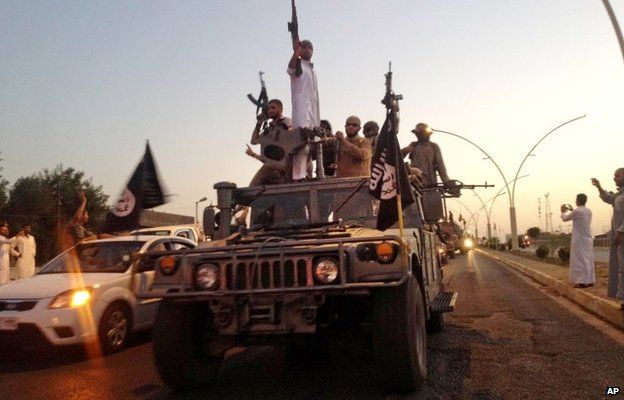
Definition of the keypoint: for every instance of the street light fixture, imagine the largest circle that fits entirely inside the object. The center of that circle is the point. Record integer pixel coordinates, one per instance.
(510, 193)
(196, 203)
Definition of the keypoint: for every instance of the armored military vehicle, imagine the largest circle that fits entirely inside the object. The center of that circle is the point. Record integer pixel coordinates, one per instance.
(309, 258)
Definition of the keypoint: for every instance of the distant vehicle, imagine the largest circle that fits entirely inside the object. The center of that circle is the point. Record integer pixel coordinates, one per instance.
(85, 295)
(467, 244)
(188, 231)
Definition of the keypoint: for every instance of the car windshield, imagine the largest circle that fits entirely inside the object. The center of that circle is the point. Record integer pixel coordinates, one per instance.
(294, 208)
(94, 257)
(153, 233)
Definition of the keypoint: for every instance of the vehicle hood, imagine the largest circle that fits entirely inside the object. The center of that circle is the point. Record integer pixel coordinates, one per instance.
(51, 285)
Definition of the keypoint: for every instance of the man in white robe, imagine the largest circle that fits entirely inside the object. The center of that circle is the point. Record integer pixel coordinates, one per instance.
(305, 100)
(26, 247)
(582, 267)
(5, 249)
(615, 286)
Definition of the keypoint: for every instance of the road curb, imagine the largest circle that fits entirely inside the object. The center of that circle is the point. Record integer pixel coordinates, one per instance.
(604, 308)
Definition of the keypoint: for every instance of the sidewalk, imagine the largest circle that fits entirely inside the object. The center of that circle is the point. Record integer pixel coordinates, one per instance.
(593, 299)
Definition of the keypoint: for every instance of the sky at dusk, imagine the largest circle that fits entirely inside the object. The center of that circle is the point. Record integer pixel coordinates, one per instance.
(85, 84)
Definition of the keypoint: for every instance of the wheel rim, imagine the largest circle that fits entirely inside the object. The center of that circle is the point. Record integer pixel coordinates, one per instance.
(117, 329)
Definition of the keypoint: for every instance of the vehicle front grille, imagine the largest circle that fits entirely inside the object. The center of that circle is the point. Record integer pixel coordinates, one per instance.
(17, 305)
(269, 274)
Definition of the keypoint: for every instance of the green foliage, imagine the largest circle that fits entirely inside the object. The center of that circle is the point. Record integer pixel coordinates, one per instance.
(533, 232)
(3, 189)
(564, 254)
(48, 200)
(542, 252)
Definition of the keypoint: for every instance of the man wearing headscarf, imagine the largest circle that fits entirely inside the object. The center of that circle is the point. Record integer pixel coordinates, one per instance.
(426, 156)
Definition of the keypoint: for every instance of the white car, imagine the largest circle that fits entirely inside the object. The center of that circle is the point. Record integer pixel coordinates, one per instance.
(85, 295)
(190, 232)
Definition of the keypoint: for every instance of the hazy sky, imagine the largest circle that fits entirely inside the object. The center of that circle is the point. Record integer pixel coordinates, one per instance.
(85, 84)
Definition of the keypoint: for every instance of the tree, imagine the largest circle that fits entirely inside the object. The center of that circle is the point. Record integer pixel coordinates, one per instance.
(533, 232)
(3, 189)
(48, 200)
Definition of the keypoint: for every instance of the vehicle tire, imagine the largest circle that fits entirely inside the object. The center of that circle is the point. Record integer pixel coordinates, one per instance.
(114, 328)
(399, 337)
(187, 353)
(436, 322)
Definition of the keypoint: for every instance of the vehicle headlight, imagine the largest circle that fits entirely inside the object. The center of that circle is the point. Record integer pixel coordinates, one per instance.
(71, 299)
(386, 252)
(468, 243)
(207, 276)
(168, 265)
(326, 270)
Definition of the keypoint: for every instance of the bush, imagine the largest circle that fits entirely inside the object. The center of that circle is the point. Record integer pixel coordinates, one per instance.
(542, 252)
(564, 254)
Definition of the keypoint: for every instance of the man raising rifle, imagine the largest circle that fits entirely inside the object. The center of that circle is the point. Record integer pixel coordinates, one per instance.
(304, 94)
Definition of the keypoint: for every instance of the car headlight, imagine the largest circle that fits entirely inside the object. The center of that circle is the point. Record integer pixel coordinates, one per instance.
(326, 270)
(71, 299)
(468, 243)
(207, 276)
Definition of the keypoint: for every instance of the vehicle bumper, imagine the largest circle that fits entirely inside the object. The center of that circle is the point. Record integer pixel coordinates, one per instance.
(40, 325)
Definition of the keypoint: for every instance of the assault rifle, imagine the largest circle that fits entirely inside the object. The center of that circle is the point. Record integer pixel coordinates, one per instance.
(263, 99)
(293, 28)
(390, 99)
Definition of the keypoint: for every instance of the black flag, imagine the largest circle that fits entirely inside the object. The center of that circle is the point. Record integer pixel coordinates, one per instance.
(388, 175)
(142, 191)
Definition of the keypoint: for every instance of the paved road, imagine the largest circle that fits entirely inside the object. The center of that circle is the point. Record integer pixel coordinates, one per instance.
(506, 340)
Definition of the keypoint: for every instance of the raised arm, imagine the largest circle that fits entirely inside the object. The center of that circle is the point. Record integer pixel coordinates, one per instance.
(359, 153)
(81, 208)
(292, 64)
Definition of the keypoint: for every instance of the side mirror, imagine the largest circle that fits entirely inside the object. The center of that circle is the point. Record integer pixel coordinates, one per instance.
(432, 206)
(209, 222)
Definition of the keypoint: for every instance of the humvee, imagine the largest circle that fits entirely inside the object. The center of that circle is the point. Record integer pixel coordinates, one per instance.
(310, 257)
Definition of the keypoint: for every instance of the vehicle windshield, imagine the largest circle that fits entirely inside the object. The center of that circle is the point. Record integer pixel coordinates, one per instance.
(153, 233)
(94, 257)
(283, 210)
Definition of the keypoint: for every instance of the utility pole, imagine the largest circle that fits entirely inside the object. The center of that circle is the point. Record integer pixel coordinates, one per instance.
(548, 214)
(539, 211)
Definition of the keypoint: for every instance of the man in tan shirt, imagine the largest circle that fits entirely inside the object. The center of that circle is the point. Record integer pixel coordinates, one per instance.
(354, 151)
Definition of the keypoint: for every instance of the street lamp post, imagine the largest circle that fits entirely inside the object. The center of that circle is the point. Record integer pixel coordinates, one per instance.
(196, 203)
(512, 207)
(510, 193)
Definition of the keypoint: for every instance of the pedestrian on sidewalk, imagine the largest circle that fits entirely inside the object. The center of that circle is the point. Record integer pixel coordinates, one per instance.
(615, 286)
(6, 249)
(26, 246)
(582, 267)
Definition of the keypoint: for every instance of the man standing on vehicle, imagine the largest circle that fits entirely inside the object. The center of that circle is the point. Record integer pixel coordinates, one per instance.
(354, 151)
(426, 156)
(615, 285)
(305, 100)
(271, 172)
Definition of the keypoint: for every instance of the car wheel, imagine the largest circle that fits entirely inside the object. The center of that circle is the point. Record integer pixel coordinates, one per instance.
(114, 329)
(399, 337)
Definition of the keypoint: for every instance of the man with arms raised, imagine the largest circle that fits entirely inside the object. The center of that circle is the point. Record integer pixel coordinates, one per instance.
(305, 100)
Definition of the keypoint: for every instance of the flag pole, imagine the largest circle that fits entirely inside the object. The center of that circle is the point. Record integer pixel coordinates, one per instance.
(398, 159)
